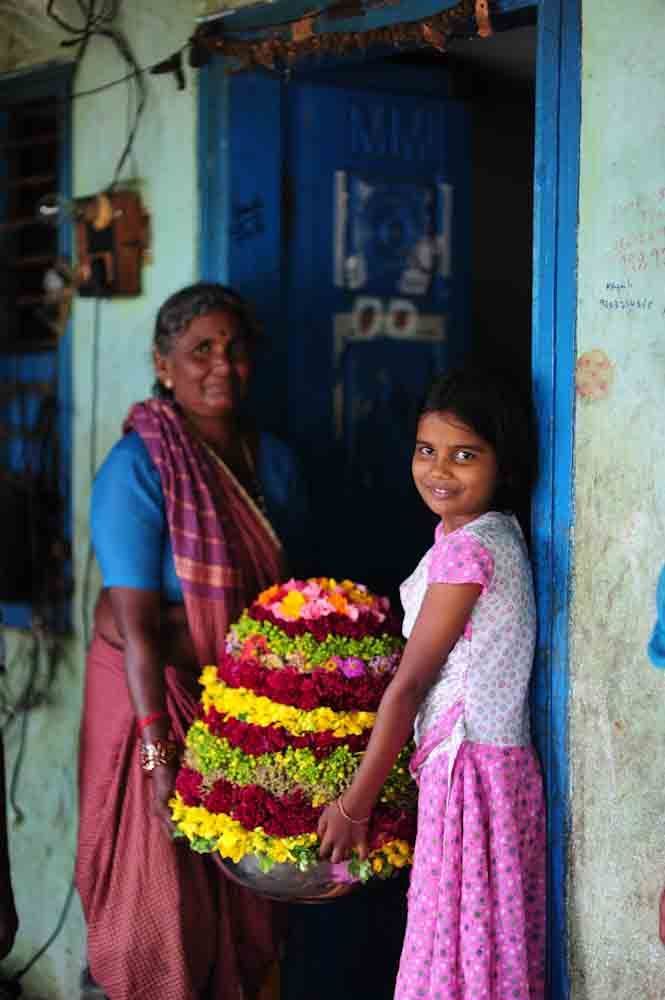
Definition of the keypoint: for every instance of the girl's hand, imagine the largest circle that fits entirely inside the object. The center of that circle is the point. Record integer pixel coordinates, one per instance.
(163, 789)
(339, 837)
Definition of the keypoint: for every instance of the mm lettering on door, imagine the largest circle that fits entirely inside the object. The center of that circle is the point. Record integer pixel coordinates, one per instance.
(405, 133)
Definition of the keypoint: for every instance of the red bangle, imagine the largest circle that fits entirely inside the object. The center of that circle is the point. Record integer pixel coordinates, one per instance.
(146, 720)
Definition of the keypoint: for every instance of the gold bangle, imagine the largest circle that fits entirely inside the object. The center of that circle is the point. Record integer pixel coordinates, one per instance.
(157, 753)
(350, 819)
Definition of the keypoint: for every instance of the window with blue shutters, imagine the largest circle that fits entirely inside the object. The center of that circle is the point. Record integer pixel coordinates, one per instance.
(35, 353)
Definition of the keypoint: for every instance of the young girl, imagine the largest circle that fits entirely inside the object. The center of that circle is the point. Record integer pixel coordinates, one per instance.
(476, 923)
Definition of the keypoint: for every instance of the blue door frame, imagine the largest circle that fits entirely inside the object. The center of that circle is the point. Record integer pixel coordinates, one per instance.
(556, 193)
(556, 187)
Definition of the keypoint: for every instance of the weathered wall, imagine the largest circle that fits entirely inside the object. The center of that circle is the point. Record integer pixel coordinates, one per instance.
(164, 163)
(26, 36)
(617, 703)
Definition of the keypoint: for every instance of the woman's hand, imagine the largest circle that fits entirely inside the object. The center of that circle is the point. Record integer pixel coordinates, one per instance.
(339, 836)
(138, 617)
(163, 788)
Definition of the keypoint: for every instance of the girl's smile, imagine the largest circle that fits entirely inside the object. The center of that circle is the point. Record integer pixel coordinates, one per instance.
(454, 469)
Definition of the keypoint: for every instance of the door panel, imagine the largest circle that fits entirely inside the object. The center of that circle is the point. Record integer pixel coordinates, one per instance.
(376, 286)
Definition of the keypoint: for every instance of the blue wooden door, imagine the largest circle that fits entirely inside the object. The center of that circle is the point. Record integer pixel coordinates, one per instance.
(375, 216)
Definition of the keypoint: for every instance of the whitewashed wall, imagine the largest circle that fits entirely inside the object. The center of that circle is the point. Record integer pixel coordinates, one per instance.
(164, 165)
(618, 699)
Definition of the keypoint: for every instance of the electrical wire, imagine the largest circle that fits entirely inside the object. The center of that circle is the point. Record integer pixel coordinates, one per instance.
(27, 700)
(136, 77)
(24, 704)
(85, 616)
(92, 467)
(140, 70)
(51, 938)
(103, 86)
(130, 111)
(98, 18)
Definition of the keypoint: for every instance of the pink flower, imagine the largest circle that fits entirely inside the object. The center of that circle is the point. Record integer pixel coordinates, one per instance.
(316, 608)
(352, 667)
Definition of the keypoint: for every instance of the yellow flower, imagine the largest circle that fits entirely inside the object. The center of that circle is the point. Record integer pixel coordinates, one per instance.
(280, 851)
(292, 604)
(326, 718)
(262, 711)
(232, 840)
(397, 852)
(377, 864)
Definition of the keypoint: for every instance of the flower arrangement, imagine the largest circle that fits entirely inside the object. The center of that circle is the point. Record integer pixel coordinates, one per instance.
(285, 717)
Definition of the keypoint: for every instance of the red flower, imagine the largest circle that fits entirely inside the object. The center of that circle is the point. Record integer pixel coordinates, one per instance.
(249, 806)
(188, 784)
(220, 798)
(288, 686)
(281, 685)
(293, 814)
(252, 806)
(256, 740)
(391, 824)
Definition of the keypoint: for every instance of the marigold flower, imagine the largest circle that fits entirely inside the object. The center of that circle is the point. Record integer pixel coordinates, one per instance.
(266, 596)
(291, 605)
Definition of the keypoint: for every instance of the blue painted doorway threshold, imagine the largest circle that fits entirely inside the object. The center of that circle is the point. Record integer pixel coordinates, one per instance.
(556, 187)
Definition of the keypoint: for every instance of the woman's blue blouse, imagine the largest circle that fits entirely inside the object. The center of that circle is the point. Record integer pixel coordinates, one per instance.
(130, 533)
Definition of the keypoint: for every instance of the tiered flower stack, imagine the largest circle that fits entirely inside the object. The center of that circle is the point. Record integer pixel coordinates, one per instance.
(285, 717)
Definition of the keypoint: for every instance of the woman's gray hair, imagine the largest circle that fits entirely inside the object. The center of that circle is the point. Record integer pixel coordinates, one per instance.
(188, 304)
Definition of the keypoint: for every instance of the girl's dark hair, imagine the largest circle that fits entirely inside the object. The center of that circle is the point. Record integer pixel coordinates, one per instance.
(178, 311)
(500, 412)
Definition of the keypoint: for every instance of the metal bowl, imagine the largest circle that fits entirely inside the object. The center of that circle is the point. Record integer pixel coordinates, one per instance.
(286, 883)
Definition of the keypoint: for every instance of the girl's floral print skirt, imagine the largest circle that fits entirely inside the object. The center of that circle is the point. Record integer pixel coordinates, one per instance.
(476, 924)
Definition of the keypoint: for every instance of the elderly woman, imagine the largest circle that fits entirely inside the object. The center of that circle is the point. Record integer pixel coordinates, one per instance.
(187, 515)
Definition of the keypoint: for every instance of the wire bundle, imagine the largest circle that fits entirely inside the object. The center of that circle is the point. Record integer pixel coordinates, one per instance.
(98, 21)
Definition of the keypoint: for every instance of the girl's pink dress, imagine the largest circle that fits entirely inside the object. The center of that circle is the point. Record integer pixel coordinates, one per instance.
(476, 923)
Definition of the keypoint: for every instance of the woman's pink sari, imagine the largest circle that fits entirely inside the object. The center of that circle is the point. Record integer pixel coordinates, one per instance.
(224, 549)
(163, 924)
